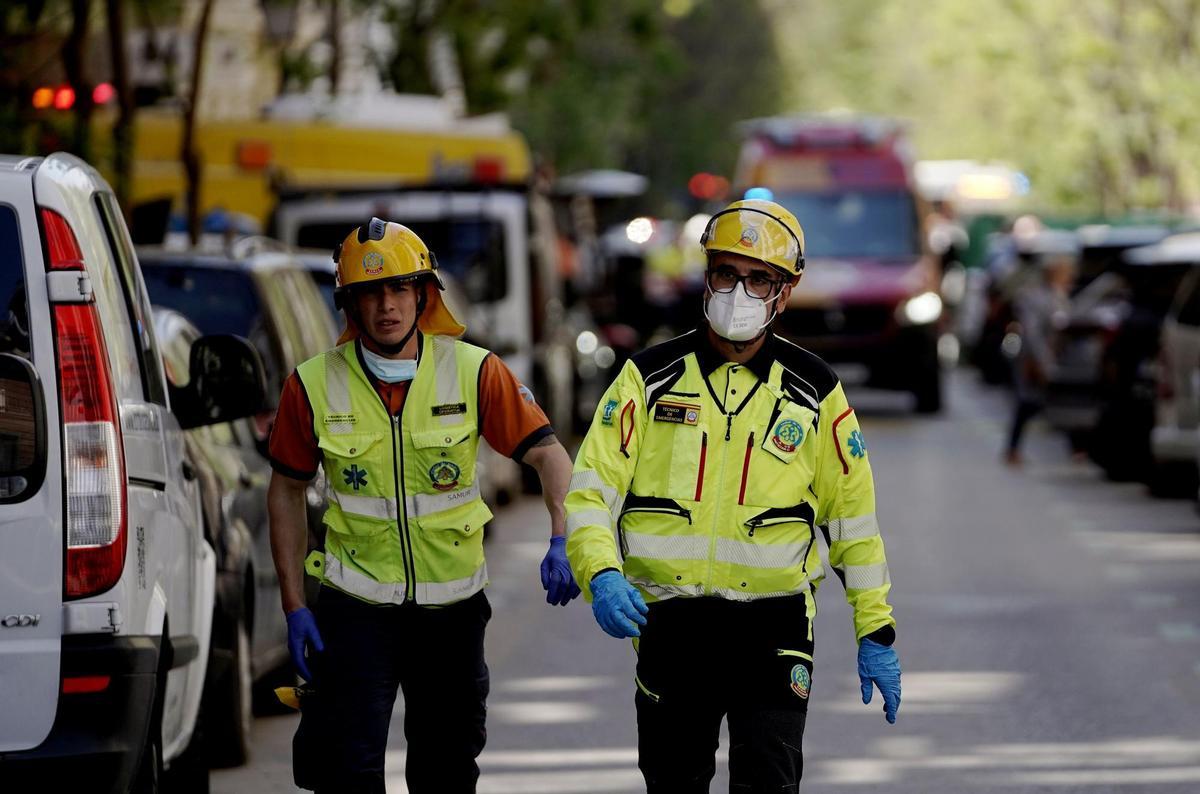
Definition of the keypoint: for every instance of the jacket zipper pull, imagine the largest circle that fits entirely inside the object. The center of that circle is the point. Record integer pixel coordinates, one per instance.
(752, 528)
(728, 425)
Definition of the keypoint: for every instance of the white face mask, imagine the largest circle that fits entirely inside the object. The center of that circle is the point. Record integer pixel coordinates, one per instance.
(389, 370)
(736, 315)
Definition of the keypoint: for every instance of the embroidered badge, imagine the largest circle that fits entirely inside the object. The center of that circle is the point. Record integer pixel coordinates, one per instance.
(610, 408)
(372, 263)
(444, 475)
(526, 394)
(676, 413)
(355, 477)
(801, 681)
(449, 409)
(857, 444)
(340, 419)
(788, 435)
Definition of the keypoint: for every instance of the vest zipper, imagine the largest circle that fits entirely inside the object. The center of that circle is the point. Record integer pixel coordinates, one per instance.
(410, 568)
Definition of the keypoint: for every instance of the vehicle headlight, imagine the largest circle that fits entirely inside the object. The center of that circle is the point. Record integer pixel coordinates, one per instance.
(586, 343)
(921, 310)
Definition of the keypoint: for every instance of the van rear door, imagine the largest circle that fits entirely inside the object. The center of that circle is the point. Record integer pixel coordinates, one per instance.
(31, 501)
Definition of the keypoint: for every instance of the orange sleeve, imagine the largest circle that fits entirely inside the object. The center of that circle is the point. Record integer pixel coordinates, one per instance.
(510, 419)
(293, 447)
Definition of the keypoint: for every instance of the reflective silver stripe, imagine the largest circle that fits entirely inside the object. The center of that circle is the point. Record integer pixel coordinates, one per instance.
(866, 577)
(586, 479)
(587, 518)
(372, 506)
(445, 364)
(856, 528)
(423, 504)
(662, 591)
(761, 555)
(337, 391)
(741, 595)
(666, 547)
(449, 592)
(362, 585)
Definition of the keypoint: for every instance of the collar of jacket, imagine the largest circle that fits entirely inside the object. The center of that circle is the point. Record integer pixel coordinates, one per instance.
(709, 358)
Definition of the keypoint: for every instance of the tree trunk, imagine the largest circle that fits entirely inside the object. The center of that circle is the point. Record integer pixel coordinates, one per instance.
(123, 129)
(191, 158)
(74, 55)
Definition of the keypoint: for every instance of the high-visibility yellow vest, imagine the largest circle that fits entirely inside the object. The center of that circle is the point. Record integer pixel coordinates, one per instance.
(714, 483)
(405, 518)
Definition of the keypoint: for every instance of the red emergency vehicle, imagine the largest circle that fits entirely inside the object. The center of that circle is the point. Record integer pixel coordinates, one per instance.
(868, 302)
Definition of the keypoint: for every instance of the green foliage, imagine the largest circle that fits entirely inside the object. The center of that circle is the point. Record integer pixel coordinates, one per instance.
(1096, 100)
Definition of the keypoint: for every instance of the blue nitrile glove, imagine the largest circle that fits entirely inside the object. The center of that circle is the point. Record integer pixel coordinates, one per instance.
(617, 605)
(557, 580)
(302, 633)
(879, 664)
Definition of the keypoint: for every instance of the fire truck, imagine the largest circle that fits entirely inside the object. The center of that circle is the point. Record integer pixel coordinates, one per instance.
(869, 301)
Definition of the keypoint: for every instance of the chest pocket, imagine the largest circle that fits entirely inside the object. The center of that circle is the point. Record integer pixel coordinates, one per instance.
(669, 464)
(444, 458)
(345, 460)
(782, 466)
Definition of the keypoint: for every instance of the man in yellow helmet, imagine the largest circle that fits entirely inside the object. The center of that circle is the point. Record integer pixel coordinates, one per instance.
(713, 461)
(394, 414)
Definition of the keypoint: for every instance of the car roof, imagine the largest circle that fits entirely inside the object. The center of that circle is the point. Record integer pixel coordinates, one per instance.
(266, 261)
(1105, 236)
(1181, 248)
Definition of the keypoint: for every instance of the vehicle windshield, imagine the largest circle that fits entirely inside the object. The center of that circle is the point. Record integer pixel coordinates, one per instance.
(14, 314)
(856, 224)
(470, 250)
(217, 301)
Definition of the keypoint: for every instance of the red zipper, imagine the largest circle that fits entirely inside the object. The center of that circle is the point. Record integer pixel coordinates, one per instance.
(700, 476)
(746, 468)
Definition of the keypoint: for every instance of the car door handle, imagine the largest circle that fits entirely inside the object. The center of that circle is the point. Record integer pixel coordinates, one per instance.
(189, 471)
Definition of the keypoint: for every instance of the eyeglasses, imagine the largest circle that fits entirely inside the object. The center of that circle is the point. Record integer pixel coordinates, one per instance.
(757, 284)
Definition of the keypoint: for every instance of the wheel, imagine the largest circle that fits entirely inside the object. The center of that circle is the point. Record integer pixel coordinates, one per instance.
(1174, 480)
(929, 391)
(228, 703)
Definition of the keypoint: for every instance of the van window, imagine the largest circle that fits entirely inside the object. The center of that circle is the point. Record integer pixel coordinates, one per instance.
(14, 310)
(877, 224)
(471, 250)
(135, 298)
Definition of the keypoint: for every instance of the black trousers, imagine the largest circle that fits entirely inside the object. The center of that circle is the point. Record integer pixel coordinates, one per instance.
(702, 659)
(435, 655)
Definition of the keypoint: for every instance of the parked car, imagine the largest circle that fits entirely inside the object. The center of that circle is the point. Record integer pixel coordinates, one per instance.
(1103, 389)
(249, 635)
(1175, 439)
(254, 288)
(104, 566)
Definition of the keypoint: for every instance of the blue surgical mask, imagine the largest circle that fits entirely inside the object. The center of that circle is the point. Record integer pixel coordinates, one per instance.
(389, 370)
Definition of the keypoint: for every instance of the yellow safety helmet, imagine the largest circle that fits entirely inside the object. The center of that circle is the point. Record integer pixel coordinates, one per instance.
(759, 229)
(385, 251)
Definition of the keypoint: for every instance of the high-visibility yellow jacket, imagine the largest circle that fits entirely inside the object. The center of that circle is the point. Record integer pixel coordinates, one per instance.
(405, 518)
(701, 477)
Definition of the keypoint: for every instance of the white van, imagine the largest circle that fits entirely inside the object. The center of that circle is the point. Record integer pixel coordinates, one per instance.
(106, 578)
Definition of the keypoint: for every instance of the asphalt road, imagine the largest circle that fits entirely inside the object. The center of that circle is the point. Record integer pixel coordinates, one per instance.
(1048, 631)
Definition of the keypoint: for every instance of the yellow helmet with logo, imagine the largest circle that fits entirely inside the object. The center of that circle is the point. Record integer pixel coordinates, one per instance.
(385, 251)
(761, 230)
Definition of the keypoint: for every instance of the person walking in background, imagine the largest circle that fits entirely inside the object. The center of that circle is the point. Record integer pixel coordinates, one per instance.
(395, 414)
(717, 457)
(1038, 309)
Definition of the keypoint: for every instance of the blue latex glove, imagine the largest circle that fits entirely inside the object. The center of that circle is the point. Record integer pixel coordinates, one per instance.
(617, 605)
(878, 664)
(557, 580)
(302, 634)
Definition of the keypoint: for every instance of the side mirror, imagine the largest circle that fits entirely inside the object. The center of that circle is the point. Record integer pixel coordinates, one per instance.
(22, 429)
(227, 382)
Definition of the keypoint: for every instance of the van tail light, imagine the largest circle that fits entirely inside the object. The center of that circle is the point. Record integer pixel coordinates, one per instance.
(92, 450)
(85, 684)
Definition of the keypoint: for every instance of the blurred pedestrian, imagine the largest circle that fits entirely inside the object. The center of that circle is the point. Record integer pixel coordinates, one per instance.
(719, 455)
(395, 414)
(1039, 310)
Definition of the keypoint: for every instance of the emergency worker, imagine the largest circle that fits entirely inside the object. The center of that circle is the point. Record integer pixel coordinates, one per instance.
(713, 461)
(394, 414)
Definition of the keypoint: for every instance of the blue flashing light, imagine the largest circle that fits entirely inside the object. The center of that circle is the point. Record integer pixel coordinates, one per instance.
(1021, 184)
(763, 193)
